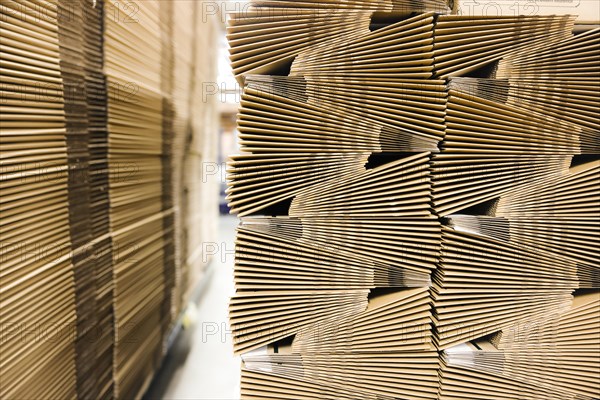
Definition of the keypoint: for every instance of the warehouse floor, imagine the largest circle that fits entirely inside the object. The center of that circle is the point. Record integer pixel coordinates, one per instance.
(201, 365)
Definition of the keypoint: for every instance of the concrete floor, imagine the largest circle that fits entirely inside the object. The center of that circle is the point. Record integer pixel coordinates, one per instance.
(201, 365)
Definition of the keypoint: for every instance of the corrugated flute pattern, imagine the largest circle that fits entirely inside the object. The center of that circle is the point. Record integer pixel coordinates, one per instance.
(418, 194)
(101, 112)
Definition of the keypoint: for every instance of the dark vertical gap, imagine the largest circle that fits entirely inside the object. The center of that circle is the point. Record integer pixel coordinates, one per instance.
(72, 56)
(102, 268)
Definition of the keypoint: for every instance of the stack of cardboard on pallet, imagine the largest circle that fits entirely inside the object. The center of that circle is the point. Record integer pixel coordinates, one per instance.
(415, 186)
(37, 291)
(102, 111)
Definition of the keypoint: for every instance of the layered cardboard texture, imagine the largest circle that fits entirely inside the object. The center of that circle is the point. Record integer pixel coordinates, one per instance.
(552, 357)
(257, 181)
(474, 300)
(410, 244)
(554, 215)
(383, 351)
(156, 126)
(418, 203)
(98, 120)
(360, 114)
(267, 35)
(136, 204)
(38, 304)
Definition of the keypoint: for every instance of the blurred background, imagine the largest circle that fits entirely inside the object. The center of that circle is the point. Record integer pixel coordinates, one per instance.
(200, 363)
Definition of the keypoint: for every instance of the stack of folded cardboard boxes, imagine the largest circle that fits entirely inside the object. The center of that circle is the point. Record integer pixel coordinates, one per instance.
(418, 193)
(99, 102)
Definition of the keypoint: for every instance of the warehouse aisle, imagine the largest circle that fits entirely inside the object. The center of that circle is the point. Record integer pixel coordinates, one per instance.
(201, 365)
